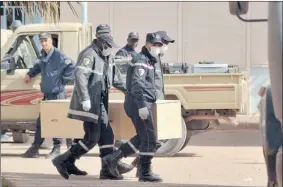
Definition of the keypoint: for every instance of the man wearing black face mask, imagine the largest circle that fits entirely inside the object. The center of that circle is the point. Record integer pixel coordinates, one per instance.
(88, 103)
(129, 49)
(106, 141)
(138, 104)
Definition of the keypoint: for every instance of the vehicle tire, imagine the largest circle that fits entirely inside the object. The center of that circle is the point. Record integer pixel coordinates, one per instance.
(20, 137)
(173, 146)
(190, 132)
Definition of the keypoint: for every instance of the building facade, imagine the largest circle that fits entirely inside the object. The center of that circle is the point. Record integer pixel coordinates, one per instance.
(202, 30)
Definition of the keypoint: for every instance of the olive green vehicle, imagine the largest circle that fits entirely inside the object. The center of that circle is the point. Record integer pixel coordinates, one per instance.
(205, 97)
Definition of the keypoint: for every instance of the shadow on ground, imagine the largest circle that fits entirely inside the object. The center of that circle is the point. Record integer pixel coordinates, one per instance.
(48, 180)
(235, 138)
(180, 155)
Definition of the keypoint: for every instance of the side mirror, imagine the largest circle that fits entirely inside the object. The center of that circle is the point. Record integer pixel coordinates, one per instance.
(238, 7)
(9, 64)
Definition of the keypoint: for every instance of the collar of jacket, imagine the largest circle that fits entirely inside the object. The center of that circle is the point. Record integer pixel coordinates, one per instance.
(46, 56)
(148, 55)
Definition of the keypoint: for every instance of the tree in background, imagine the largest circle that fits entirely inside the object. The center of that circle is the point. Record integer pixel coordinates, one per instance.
(47, 10)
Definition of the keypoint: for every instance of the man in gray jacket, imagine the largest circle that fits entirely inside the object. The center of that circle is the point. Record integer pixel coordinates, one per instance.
(89, 103)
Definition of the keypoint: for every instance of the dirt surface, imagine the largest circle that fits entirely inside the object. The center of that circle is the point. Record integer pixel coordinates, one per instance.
(216, 158)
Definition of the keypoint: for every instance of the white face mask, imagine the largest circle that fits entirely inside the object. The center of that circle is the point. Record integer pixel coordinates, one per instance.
(164, 48)
(106, 52)
(154, 51)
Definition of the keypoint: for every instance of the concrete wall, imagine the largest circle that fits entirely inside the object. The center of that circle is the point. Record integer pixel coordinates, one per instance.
(203, 30)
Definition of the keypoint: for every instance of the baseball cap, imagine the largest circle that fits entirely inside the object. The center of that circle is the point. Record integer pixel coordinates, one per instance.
(108, 39)
(164, 36)
(133, 35)
(103, 28)
(44, 35)
(153, 38)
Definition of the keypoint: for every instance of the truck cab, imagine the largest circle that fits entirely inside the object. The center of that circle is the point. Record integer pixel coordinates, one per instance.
(19, 100)
(205, 97)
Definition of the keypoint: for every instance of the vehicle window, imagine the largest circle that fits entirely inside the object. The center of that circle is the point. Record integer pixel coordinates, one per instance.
(25, 54)
(37, 42)
(27, 49)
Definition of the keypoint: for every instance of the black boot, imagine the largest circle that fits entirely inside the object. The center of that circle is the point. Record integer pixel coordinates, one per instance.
(106, 174)
(73, 169)
(55, 152)
(112, 160)
(136, 163)
(146, 175)
(32, 152)
(124, 167)
(61, 163)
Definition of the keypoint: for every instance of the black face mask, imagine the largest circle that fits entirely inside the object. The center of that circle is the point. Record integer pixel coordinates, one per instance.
(132, 43)
(131, 46)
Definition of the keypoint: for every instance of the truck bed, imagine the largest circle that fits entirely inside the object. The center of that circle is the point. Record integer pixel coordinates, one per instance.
(209, 90)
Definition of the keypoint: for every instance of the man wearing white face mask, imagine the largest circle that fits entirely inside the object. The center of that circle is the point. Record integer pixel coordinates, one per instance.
(141, 94)
(89, 104)
(159, 84)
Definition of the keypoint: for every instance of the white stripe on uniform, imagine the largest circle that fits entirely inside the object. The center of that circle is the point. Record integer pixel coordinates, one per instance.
(141, 64)
(82, 113)
(132, 146)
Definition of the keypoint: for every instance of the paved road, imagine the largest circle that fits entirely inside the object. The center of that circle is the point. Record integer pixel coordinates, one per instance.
(213, 159)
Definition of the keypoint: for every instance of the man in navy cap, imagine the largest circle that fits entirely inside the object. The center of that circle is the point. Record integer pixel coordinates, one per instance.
(106, 145)
(139, 99)
(159, 84)
(56, 71)
(102, 29)
(129, 50)
(89, 104)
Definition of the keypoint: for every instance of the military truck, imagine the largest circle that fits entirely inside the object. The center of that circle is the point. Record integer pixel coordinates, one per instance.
(5, 35)
(205, 97)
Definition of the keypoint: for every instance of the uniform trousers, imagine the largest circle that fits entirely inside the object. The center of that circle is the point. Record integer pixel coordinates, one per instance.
(99, 133)
(145, 140)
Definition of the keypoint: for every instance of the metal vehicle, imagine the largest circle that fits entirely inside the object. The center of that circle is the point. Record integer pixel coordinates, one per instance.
(205, 97)
(5, 35)
(275, 62)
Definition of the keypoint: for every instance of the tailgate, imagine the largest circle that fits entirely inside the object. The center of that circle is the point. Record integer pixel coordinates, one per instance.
(210, 91)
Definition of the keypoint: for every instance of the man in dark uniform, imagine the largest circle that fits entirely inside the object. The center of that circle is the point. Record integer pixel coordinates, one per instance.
(56, 71)
(272, 138)
(106, 145)
(126, 54)
(129, 50)
(89, 104)
(159, 84)
(140, 96)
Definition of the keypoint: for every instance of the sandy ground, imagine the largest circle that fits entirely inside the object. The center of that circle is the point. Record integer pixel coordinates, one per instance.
(212, 159)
